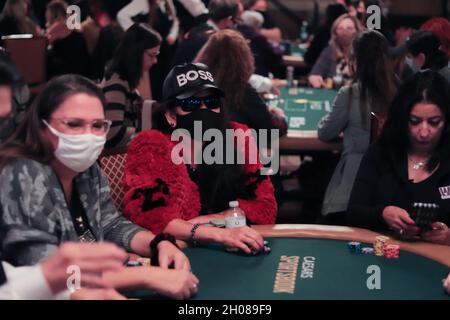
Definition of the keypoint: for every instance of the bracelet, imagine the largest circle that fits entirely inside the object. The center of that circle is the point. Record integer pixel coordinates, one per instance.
(154, 246)
(212, 223)
(193, 230)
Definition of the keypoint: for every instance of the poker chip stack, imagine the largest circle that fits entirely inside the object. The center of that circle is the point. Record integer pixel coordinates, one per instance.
(392, 251)
(379, 245)
(355, 247)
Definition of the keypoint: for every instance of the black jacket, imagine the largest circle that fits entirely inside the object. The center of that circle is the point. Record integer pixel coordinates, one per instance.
(382, 181)
(193, 41)
(254, 112)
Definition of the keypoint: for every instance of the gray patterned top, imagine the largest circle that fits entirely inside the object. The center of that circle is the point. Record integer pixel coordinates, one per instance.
(35, 219)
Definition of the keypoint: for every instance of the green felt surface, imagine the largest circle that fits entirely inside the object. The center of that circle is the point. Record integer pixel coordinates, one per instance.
(304, 108)
(337, 273)
(297, 50)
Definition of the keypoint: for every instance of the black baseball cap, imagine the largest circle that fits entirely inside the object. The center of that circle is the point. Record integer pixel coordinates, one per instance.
(419, 40)
(186, 80)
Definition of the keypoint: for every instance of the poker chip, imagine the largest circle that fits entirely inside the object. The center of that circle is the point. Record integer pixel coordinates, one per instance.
(134, 264)
(355, 246)
(266, 248)
(144, 262)
(367, 250)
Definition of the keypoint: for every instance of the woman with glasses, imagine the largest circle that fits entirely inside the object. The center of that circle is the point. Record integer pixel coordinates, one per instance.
(127, 84)
(333, 62)
(184, 193)
(52, 190)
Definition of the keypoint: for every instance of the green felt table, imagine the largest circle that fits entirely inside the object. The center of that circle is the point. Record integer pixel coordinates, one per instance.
(335, 272)
(297, 50)
(304, 107)
(294, 55)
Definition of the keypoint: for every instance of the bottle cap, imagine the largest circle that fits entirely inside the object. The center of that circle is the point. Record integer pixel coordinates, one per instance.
(234, 204)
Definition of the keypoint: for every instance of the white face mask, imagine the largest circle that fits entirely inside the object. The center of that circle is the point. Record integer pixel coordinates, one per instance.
(78, 152)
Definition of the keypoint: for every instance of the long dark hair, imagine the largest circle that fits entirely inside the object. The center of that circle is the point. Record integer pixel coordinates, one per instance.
(430, 87)
(127, 60)
(373, 74)
(218, 183)
(28, 141)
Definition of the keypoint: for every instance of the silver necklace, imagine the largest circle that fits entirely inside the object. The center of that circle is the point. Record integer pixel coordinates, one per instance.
(417, 165)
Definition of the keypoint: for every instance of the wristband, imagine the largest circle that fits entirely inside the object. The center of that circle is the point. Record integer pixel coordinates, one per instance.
(154, 246)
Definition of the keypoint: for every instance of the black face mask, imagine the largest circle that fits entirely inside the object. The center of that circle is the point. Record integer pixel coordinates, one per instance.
(209, 120)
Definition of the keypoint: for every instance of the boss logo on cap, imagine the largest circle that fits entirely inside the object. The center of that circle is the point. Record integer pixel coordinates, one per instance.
(193, 75)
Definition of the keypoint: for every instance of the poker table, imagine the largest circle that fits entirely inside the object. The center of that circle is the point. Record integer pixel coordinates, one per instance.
(294, 55)
(304, 107)
(309, 262)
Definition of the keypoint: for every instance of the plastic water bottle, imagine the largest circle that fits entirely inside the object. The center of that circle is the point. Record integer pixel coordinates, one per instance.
(235, 217)
(304, 35)
(290, 76)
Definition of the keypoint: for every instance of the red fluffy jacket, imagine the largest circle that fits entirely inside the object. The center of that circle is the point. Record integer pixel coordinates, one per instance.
(158, 191)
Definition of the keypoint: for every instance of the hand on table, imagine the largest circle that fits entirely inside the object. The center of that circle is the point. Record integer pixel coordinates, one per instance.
(243, 238)
(275, 89)
(316, 81)
(399, 220)
(439, 234)
(176, 284)
(168, 255)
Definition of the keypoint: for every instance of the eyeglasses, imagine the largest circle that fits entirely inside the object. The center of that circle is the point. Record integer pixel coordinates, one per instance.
(78, 126)
(194, 103)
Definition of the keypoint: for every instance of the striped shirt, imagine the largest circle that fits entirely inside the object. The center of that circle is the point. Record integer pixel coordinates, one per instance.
(123, 109)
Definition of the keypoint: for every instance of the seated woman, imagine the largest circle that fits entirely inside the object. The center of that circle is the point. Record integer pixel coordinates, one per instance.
(52, 190)
(409, 164)
(371, 91)
(126, 84)
(232, 73)
(334, 59)
(167, 194)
